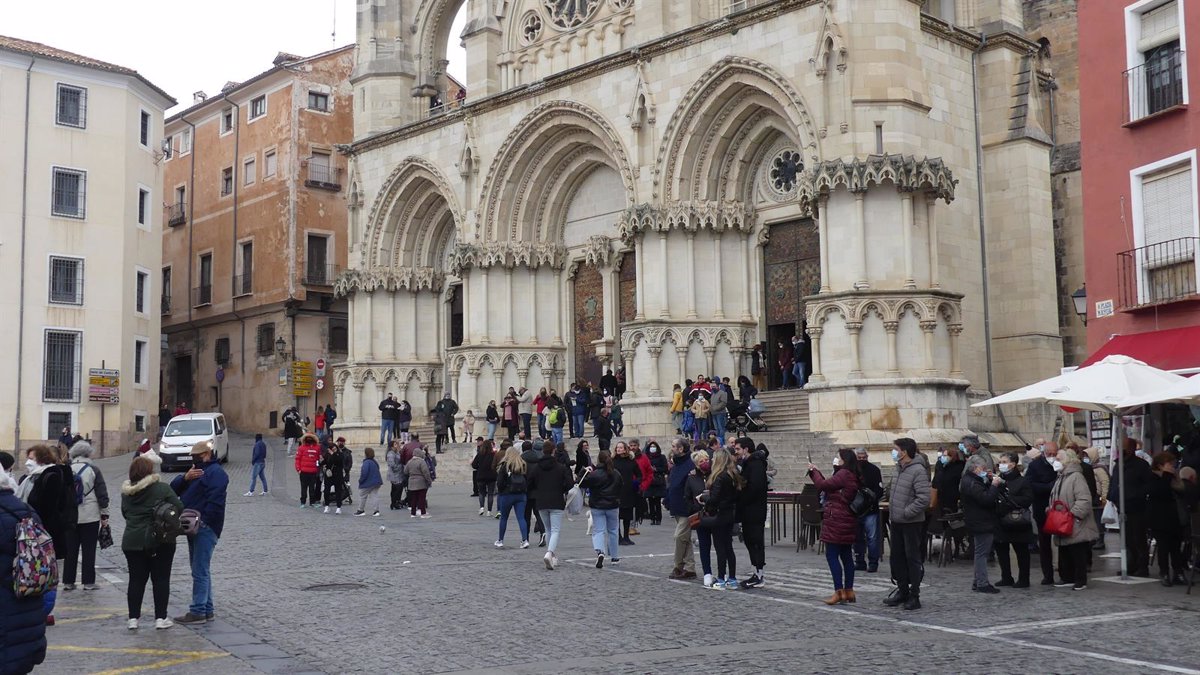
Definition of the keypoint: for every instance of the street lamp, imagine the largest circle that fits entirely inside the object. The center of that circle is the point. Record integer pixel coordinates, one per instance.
(1079, 297)
(281, 347)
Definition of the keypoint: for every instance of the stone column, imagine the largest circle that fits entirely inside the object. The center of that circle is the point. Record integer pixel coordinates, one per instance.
(627, 356)
(955, 365)
(931, 222)
(814, 337)
(392, 340)
(854, 328)
(523, 377)
(906, 214)
(860, 228)
(681, 354)
(823, 237)
(639, 264)
(533, 304)
(369, 310)
(565, 285)
(708, 361)
(508, 307)
(466, 291)
(746, 267)
(893, 358)
(473, 374)
(690, 275)
(664, 311)
(412, 323)
(655, 377)
(351, 315)
(483, 295)
(358, 407)
(928, 327)
(719, 311)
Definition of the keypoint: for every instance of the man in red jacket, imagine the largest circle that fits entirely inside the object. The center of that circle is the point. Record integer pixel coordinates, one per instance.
(308, 462)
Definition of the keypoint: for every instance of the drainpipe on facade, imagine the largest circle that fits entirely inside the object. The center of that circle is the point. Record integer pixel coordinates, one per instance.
(191, 218)
(237, 133)
(21, 296)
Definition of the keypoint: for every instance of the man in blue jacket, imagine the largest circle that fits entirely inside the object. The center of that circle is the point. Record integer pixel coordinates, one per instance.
(202, 488)
(258, 466)
(681, 466)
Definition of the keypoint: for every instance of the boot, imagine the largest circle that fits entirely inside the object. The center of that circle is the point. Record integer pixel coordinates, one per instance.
(897, 597)
(914, 599)
(848, 596)
(838, 598)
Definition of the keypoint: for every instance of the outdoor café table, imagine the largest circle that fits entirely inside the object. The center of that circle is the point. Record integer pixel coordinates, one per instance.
(780, 504)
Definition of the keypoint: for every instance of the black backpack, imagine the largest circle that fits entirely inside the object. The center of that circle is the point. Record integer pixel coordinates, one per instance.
(167, 525)
(517, 484)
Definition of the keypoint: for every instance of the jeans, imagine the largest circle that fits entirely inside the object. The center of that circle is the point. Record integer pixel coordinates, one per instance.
(983, 548)
(553, 520)
(487, 491)
(491, 431)
(704, 542)
(677, 420)
(841, 565)
(81, 538)
(719, 421)
(786, 372)
(515, 503)
(683, 546)
(387, 431)
(153, 565)
(604, 531)
(867, 541)
(200, 553)
(556, 434)
(525, 420)
(579, 418)
(258, 470)
(799, 374)
(907, 568)
(542, 431)
(701, 428)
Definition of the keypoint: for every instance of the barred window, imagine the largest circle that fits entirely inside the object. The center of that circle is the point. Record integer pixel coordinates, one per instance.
(66, 281)
(71, 110)
(56, 421)
(140, 357)
(139, 423)
(143, 205)
(221, 351)
(60, 373)
(226, 181)
(265, 340)
(142, 281)
(339, 336)
(70, 193)
(144, 128)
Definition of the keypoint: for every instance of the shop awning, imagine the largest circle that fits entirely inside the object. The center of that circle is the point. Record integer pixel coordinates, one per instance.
(1176, 349)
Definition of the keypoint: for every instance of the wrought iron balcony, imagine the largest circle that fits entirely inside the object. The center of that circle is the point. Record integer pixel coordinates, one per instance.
(202, 295)
(324, 177)
(165, 303)
(176, 214)
(1158, 273)
(1154, 86)
(243, 284)
(320, 275)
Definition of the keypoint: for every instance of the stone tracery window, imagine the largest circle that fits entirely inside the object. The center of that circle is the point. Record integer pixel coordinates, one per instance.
(531, 27)
(785, 168)
(568, 14)
(620, 5)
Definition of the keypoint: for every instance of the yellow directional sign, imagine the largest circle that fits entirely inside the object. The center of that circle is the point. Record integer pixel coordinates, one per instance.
(302, 378)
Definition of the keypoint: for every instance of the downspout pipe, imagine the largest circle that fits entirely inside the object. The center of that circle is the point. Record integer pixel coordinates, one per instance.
(191, 217)
(21, 296)
(237, 179)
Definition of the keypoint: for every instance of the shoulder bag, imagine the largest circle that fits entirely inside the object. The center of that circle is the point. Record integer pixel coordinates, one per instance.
(1059, 520)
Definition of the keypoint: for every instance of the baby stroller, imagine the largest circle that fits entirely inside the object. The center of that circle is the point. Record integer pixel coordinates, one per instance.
(743, 421)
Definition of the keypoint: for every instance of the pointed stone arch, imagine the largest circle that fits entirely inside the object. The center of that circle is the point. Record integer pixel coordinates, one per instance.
(721, 119)
(540, 161)
(415, 213)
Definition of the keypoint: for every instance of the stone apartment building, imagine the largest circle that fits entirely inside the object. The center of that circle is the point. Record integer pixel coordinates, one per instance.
(255, 236)
(80, 143)
(660, 186)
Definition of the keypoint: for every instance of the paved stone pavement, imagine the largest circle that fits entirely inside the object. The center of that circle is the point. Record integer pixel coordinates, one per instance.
(299, 591)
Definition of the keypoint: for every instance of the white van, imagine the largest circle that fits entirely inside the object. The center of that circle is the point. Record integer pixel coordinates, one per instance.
(184, 431)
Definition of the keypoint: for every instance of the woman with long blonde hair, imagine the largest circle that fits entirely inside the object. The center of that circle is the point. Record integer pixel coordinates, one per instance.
(511, 486)
(720, 503)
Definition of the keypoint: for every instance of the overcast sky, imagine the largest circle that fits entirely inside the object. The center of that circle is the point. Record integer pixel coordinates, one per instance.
(188, 45)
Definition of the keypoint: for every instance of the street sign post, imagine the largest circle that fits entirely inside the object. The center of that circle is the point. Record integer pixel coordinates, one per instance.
(104, 386)
(320, 368)
(302, 379)
(320, 384)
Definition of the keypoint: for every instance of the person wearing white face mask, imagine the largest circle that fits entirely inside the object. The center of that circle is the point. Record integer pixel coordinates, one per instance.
(1041, 477)
(908, 501)
(1074, 549)
(1016, 526)
(980, 492)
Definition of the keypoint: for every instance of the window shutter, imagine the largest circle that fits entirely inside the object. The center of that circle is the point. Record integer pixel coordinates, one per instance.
(1159, 26)
(1167, 210)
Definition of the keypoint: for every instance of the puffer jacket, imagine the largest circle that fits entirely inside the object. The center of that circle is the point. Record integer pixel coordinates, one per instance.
(22, 620)
(677, 503)
(417, 470)
(1015, 493)
(1072, 489)
(368, 475)
(979, 501)
(604, 488)
(693, 487)
(722, 499)
(752, 500)
(839, 526)
(910, 492)
(95, 490)
(549, 481)
(656, 486)
(308, 459)
(137, 508)
(485, 467)
(206, 494)
(395, 468)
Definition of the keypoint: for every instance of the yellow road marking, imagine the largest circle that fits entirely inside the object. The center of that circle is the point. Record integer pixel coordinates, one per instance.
(180, 657)
(92, 617)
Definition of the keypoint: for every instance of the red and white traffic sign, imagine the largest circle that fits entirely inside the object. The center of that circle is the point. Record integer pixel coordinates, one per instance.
(320, 367)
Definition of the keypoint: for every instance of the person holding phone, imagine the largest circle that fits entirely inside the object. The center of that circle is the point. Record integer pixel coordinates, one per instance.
(979, 492)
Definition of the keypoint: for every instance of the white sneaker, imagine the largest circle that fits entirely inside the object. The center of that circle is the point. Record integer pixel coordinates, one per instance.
(163, 624)
(548, 560)
(525, 544)
(708, 580)
(248, 494)
(263, 493)
(412, 515)
(337, 511)
(376, 514)
(326, 510)
(499, 544)
(482, 511)
(133, 624)
(424, 515)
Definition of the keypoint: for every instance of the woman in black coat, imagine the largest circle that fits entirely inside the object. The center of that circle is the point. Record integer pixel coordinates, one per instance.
(583, 459)
(657, 488)
(631, 475)
(22, 620)
(1016, 494)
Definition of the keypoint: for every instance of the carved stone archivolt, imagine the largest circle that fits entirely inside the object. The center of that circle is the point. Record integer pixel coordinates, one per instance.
(890, 307)
(473, 359)
(708, 337)
(687, 216)
(905, 172)
(372, 279)
(357, 376)
(506, 254)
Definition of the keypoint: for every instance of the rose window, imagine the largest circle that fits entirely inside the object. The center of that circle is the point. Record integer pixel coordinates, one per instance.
(531, 28)
(570, 13)
(785, 168)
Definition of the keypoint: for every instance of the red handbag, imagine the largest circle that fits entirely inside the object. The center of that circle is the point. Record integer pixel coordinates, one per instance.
(1059, 520)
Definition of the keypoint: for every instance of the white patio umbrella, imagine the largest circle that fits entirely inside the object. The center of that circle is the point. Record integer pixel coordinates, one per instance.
(1116, 384)
(1187, 391)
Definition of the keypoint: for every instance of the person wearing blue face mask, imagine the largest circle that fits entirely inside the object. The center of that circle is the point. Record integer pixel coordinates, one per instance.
(946, 484)
(980, 492)
(908, 502)
(1016, 526)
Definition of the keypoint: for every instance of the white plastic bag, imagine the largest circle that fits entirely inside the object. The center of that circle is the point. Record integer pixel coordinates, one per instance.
(589, 527)
(575, 502)
(1109, 516)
